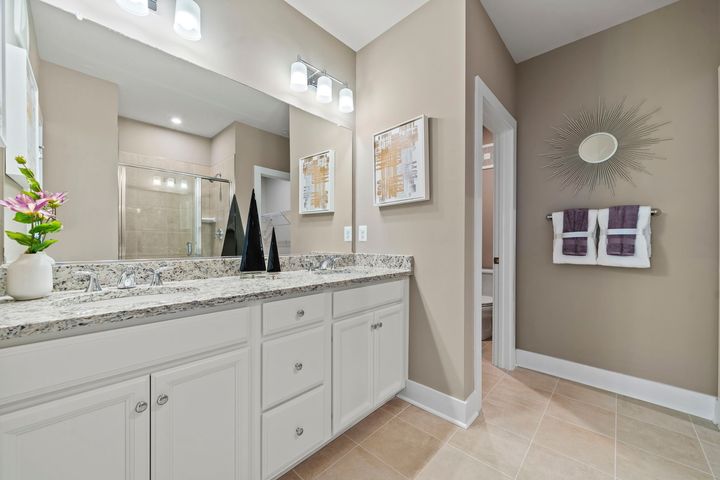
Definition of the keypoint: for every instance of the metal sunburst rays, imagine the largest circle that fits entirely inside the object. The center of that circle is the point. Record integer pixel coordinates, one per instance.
(634, 131)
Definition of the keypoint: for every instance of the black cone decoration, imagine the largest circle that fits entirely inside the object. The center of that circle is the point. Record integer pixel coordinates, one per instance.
(273, 257)
(234, 235)
(253, 257)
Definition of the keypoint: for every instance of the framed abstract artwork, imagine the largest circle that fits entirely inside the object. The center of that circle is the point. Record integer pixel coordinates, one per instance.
(317, 183)
(401, 163)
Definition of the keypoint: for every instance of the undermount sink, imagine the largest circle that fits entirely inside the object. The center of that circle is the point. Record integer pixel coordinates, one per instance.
(329, 271)
(118, 297)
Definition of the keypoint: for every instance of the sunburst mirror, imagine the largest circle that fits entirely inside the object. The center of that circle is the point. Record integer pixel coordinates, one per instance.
(601, 146)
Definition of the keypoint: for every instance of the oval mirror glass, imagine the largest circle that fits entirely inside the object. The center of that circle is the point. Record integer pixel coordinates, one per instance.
(598, 147)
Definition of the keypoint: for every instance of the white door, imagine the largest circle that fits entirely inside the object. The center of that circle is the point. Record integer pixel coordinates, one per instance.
(100, 434)
(201, 418)
(389, 361)
(352, 370)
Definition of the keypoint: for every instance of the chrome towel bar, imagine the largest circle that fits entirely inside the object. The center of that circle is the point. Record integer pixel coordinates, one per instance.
(655, 212)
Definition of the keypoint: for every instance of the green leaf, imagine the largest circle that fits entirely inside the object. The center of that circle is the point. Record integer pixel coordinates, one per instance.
(20, 160)
(45, 228)
(21, 238)
(42, 246)
(32, 195)
(24, 218)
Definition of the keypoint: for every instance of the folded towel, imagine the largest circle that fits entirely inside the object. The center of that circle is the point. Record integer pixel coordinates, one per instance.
(575, 220)
(641, 247)
(622, 225)
(587, 236)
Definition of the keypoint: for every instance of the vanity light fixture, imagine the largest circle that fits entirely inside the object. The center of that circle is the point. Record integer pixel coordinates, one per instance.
(304, 74)
(188, 20)
(135, 7)
(176, 120)
(183, 184)
(157, 181)
(170, 182)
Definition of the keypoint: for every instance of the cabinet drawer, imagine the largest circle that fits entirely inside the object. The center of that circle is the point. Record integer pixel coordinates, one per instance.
(292, 365)
(292, 430)
(293, 312)
(360, 299)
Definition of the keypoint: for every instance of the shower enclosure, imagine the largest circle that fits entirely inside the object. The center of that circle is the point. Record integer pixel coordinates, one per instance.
(169, 214)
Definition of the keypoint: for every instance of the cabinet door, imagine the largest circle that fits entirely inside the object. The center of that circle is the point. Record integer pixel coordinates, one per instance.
(201, 418)
(100, 434)
(390, 356)
(352, 370)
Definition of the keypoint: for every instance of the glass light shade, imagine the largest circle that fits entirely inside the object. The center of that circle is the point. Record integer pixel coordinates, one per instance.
(324, 89)
(188, 20)
(345, 102)
(184, 184)
(136, 7)
(157, 181)
(298, 77)
(170, 182)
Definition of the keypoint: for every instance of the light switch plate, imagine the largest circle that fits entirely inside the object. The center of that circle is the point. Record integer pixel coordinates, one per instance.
(362, 233)
(347, 234)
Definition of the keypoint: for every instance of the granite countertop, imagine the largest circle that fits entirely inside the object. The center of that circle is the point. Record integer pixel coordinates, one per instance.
(61, 312)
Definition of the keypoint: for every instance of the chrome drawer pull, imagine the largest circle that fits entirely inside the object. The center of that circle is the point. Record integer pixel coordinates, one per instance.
(141, 407)
(298, 366)
(301, 313)
(162, 399)
(299, 431)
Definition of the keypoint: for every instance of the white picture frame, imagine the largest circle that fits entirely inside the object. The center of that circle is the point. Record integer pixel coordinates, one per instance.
(412, 163)
(316, 176)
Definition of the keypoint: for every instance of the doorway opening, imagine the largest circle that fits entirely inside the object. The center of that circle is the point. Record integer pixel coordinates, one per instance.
(272, 195)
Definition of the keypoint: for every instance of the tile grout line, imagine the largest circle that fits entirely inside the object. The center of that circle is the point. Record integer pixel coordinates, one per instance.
(470, 456)
(702, 448)
(653, 454)
(537, 429)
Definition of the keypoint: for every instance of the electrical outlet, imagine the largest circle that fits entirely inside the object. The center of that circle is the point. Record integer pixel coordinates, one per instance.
(362, 233)
(347, 234)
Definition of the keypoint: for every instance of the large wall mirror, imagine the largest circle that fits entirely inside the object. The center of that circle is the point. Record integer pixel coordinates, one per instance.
(152, 149)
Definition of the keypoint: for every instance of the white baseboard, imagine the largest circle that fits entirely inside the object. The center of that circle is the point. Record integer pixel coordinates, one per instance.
(694, 403)
(460, 412)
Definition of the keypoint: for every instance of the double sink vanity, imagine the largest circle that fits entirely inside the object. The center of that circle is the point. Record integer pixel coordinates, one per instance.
(222, 376)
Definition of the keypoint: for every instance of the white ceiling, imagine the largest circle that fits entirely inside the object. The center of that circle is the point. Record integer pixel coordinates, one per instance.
(153, 85)
(356, 22)
(532, 27)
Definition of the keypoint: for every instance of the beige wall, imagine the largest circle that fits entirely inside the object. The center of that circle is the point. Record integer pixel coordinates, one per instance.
(81, 155)
(256, 147)
(320, 232)
(251, 41)
(660, 324)
(160, 142)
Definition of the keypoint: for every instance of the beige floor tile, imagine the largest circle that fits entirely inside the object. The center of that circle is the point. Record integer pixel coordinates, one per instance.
(490, 368)
(712, 452)
(320, 461)
(360, 465)
(396, 405)
(489, 380)
(452, 464)
(515, 393)
(582, 414)
(544, 464)
(577, 443)
(587, 394)
(656, 415)
(290, 476)
(428, 423)
(369, 425)
(492, 445)
(402, 446)
(515, 419)
(706, 430)
(662, 442)
(636, 464)
(532, 379)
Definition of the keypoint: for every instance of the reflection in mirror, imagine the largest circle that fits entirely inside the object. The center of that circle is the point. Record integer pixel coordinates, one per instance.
(598, 147)
(152, 149)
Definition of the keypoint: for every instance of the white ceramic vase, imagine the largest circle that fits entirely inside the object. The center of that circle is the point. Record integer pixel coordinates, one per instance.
(30, 276)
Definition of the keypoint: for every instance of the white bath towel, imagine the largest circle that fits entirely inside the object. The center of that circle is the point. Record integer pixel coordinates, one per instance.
(591, 257)
(643, 251)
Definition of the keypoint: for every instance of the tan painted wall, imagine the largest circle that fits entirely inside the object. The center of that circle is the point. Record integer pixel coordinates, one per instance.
(310, 134)
(251, 41)
(81, 155)
(155, 141)
(660, 324)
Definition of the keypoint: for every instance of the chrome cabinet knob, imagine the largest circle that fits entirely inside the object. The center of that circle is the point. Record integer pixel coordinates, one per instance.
(298, 366)
(141, 407)
(299, 431)
(301, 313)
(162, 399)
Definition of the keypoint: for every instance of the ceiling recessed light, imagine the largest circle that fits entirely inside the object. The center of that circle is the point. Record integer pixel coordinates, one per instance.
(176, 120)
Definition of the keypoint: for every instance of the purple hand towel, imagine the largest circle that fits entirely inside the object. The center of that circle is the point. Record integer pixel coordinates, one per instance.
(625, 216)
(575, 220)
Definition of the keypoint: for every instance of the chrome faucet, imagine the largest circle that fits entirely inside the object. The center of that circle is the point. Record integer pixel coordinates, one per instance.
(93, 282)
(127, 279)
(328, 263)
(157, 276)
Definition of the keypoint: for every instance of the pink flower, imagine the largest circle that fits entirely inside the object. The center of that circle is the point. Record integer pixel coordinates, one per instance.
(54, 199)
(27, 205)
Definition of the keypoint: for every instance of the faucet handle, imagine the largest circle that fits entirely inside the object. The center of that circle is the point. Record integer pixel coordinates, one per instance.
(93, 283)
(127, 279)
(156, 280)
